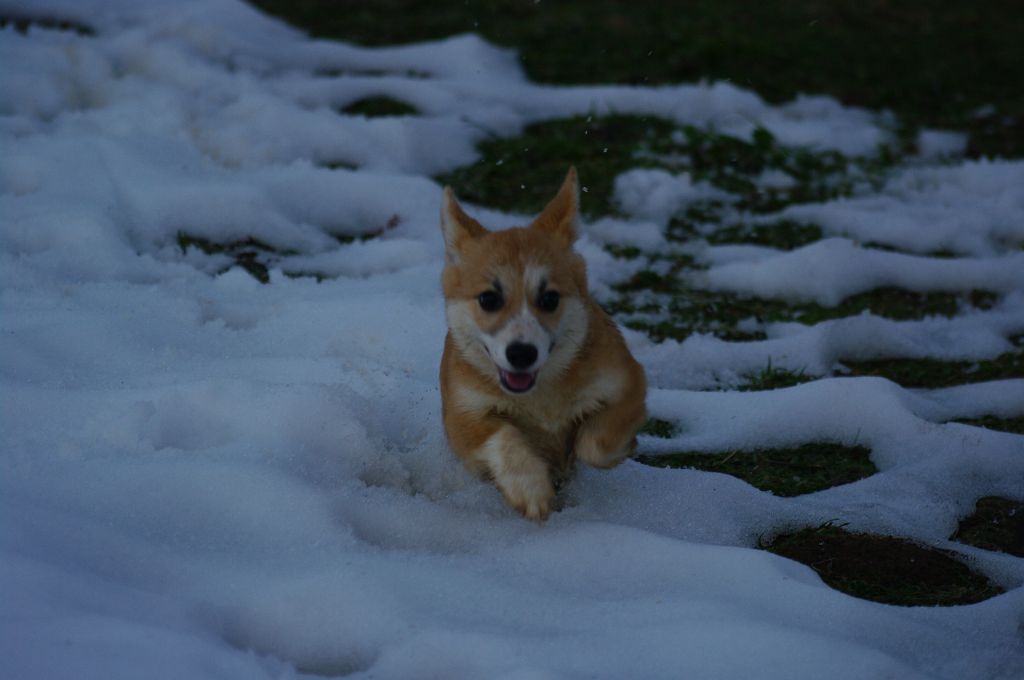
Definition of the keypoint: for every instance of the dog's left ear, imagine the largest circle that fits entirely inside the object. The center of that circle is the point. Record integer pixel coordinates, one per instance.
(561, 215)
(457, 227)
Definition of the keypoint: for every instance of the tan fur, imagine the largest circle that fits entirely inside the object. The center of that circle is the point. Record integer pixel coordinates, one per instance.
(588, 399)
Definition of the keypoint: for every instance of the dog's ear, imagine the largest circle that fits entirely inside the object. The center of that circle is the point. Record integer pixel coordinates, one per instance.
(560, 216)
(458, 227)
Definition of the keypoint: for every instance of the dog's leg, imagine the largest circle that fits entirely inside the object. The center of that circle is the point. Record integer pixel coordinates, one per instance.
(608, 437)
(520, 474)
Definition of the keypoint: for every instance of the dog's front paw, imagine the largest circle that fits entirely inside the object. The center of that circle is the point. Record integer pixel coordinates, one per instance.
(593, 451)
(530, 492)
(523, 477)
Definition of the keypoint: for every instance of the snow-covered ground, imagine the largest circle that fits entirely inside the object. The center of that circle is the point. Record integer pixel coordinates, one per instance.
(206, 477)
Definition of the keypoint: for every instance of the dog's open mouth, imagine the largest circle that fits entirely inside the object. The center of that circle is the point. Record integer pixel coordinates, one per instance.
(517, 382)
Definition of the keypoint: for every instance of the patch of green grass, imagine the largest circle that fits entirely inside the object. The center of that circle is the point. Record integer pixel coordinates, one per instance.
(648, 279)
(662, 330)
(23, 22)
(1015, 425)
(884, 568)
(623, 252)
(210, 247)
(521, 174)
(365, 236)
(656, 427)
(784, 472)
(700, 219)
(733, 164)
(256, 257)
(996, 524)
(682, 310)
(671, 309)
(772, 378)
(783, 235)
(250, 254)
(898, 303)
(376, 107)
(932, 373)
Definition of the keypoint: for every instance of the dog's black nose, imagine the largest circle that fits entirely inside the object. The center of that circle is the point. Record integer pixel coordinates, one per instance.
(521, 355)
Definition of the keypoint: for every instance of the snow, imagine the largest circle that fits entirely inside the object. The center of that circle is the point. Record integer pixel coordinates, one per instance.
(775, 179)
(203, 476)
(840, 268)
(657, 195)
(971, 208)
(704, 362)
(938, 143)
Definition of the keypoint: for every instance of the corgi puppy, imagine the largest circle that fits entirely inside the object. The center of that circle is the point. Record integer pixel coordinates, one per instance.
(534, 374)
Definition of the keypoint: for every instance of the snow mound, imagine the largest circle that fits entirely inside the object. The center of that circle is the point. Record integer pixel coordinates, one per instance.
(203, 476)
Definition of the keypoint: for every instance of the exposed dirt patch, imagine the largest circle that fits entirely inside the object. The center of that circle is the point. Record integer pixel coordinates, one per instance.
(378, 107)
(932, 373)
(656, 427)
(784, 472)
(1015, 425)
(997, 524)
(884, 568)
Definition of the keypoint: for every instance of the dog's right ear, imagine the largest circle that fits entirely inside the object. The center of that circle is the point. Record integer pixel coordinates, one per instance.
(561, 215)
(458, 227)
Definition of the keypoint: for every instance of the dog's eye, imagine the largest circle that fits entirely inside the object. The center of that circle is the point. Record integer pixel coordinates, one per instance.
(548, 300)
(490, 300)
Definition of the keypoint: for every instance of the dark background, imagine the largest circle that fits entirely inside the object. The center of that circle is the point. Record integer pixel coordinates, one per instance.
(957, 65)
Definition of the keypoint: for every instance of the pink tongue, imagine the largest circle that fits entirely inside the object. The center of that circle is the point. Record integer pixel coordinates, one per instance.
(518, 381)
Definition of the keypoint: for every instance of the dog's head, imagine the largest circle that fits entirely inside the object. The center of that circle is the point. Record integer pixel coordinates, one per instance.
(516, 299)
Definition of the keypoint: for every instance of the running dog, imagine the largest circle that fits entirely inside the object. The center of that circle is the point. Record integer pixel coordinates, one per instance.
(534, 374)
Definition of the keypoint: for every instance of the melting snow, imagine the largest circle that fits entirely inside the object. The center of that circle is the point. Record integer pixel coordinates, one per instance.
(207, 477)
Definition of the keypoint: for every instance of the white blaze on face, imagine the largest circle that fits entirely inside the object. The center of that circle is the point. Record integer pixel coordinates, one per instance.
(525, 328)
(534, 276)
(556, 348)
